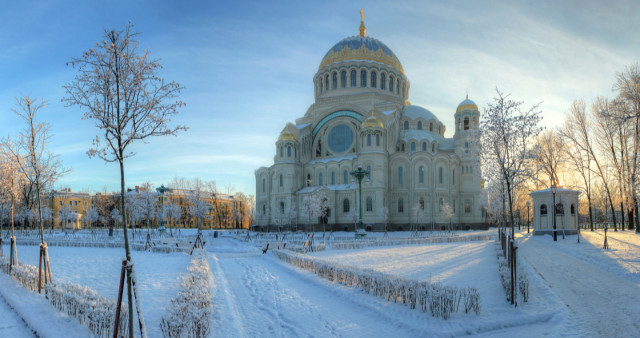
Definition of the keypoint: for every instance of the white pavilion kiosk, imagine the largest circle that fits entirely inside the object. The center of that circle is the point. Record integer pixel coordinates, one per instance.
(566, 211)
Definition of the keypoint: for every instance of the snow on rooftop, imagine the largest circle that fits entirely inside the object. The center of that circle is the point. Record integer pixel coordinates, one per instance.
(415, 112)
(333, 159)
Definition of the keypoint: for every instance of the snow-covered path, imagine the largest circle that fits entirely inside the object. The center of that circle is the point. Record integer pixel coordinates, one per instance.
(259, 296)
(11, 325)
(602, 303)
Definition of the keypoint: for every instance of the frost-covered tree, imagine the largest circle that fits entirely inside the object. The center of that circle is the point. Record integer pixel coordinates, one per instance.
(447, 213)
(147, 203)
(65, 214)
(92, 216)
(115, 216)
(505, 140)
(314, 205)
(119, 88)
(173, 211)
(549, 155)
(198, 205)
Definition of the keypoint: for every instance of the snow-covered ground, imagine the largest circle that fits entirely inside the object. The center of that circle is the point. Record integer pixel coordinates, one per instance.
(576, 289)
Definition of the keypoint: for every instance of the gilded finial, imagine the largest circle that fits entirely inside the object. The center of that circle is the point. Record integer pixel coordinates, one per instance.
(363, 29)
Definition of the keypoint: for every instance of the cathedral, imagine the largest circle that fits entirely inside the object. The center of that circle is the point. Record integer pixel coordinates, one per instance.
(362, 117)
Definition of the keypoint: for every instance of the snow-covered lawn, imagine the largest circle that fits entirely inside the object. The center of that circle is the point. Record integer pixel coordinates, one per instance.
(99, 269)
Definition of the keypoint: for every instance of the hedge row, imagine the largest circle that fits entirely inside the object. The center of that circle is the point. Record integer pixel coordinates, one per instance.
(439, 300)
(190, 311)
(380, 242)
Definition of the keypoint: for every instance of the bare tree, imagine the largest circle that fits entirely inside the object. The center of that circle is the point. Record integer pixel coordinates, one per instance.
(198, 205)
(505, 142)
(173, 211)
(92, 216)
(9, 182)
(447, 213)
(549, 154)
(119, 88)
(37, 164)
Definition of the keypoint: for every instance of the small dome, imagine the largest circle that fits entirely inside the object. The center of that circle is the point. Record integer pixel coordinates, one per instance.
(356, 48)
(286, 135)
(372, 122)
(467, 104)
(415, 112)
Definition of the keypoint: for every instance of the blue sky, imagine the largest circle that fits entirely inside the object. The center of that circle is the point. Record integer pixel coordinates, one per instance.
(247, 68)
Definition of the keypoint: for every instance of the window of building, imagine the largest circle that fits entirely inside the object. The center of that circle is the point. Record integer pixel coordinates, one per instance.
(383, 79)
(282, 207)
(60, 202)
(398, 86)
(424, 146)
(354, 78)
(406, 125)
(288, 151)
(559, 209)
(370, 173)
(363, 78)
(466, 123)
(343, 79)
(543, 210)
(346, 177)
(281, 151)
(281, 180)
(345, 205)
(390, 83)
(421, 203)
(70, 203)
(433, 148)
(334, 78)
(368, 140)
(440, 204)
(370, 202)
(400, 205)
(421, 175)
(264, 185)
(400, 175)
(333, 177)
(374, 80)
(340, 138)
(326, 83)
(467, 207)
(573, 209)
(440, 175)
(264, 209)
(320, 179)
(453, 177)
(466, 147)
(431, 126)
(419, 125)
(402, 147)
(377, 140)
(413, 146)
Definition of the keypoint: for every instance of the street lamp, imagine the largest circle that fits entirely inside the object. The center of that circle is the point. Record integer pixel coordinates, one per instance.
(553, 191)
(360, 174)
(162, 190)
(528, 204)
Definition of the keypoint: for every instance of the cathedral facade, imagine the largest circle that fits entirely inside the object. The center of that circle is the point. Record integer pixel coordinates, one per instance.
(362, 117)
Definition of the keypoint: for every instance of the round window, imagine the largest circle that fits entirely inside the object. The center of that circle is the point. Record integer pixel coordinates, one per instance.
(340, 138)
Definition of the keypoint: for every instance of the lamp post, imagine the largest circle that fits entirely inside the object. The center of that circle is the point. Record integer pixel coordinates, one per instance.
(528, 204)
(555, 233)
(162, 190)
(360, 174)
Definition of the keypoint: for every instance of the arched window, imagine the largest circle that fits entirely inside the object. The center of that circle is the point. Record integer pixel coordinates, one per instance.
(321, 87)
(466, 123)
(559, 209)
(308, 180)
(333, 177)
(398, 86)
(419, 125)
(363, 78)
(421, 203)
(334, 79)
(474, 122)
(282, 207)
(377, 140)
(343, 79)
(354, 78)
(281, 151)
(424, 146)
(406, 125)
(400, 205)
(433, 147)
(543, 210)
(440, 204)
(264, 209)
(346, 177)
(374, 80)
(430, 126)
(369, 140)
(466, 147)
(413, 146)
(440, 175)
(573, 209)
(383, 79)
(402, 147)
(390, 83)
(264, 185)
(320, 179)
(400, 175)
(467, 206)
(326, 83)
(288, 151)
(453, 177)
(421, 175)
(470, 170)
(345, 205)
(369, 203)
(281, 180)
(369, 170)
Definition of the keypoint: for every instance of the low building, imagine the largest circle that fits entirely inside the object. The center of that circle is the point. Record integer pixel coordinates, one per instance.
(69, 207)
(566, 211)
